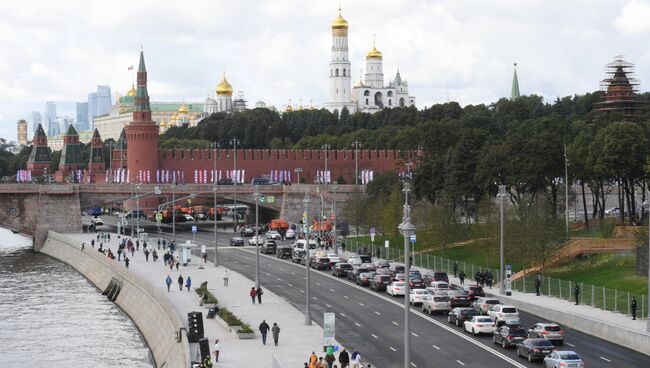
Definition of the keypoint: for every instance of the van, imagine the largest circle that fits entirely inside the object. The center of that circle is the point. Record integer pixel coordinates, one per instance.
(300, 244)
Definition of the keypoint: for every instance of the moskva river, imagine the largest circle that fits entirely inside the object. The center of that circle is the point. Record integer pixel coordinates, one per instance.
(51, 316)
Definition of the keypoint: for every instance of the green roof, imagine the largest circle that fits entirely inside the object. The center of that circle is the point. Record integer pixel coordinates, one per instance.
(121, 142)
(72, 130)
(71, 154)
(174, 106)
(40, 154)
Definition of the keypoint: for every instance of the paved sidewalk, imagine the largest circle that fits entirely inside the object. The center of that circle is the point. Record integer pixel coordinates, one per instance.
(296, 340)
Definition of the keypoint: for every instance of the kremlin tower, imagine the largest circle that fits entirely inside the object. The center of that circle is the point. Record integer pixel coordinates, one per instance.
(142, 134)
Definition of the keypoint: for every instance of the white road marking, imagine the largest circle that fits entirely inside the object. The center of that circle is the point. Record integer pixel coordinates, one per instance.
(413, 364)
(342, 314)
(392, 348)
(414, 334)
(318, 283)
(268, 274)
(332, 290)
(461, 363)
(315, 298)
(395, 323)
(328, 306)
(302, 291)
(279, 279)
(435, 347)
(361, 304)
(290, 285)
(375, 336)
(281, 269)
(345, 296)
(570, 344)
(293, 273)
(605, 359)
(270, 265)
(377, 313)
(358, 325)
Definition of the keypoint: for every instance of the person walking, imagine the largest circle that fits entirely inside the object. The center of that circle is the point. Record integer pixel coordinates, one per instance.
(455, 268)
(180, 282)
(576, 291)
(126, 261)
(313, 359)
(146, 255)
(276, 333)
(259, 293)
(461, 276)
(217, 350)
(264, 329)
(355, 359)
(321, 363)
(168, 281)
(253, 294)
(188, 283)
(633, 308)
(119, 253)
(178, 263)
(344, 358)
(225, 278)
(330, 359)
(538, 284)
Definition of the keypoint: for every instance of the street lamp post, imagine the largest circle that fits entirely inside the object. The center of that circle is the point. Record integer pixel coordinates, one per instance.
(174, 211)
(566, 191)
(215, 146)
(306, 202)
(137, 211)
(234, 142)
(257, 236)
(406, 228)
(132, 218)
(326, 147)
(298, 171)
(334, 220)
(502, 270)
(648, 203)
(356, 145)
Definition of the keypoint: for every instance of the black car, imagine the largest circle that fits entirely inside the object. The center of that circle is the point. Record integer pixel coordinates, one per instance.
(535, 349)
(474, 291)
(395, 269)
(248, 231)
(458, 316)
(225, 181)
(236, 241)
(284, 252)
(416, 283)
(341, 269)
(509, 335)
(379, 282)
(269, 247)
(352, 274)
(321, 263)
(436, 276)
(459, 298)
(363, 279)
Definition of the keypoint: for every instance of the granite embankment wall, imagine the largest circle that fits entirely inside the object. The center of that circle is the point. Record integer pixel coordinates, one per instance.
(148, 308)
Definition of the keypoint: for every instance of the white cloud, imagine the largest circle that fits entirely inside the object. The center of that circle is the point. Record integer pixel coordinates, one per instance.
(634, 17)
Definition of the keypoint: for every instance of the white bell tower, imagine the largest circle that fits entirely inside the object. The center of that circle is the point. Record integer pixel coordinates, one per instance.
(340, 94)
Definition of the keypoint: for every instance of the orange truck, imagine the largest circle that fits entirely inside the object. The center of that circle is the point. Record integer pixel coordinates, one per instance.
(279, 224)
(322, 226)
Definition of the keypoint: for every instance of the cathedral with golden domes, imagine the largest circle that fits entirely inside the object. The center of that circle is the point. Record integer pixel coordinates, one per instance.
(369, 94)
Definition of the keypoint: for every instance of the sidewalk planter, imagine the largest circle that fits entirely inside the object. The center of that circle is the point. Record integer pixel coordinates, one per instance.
(245, 333)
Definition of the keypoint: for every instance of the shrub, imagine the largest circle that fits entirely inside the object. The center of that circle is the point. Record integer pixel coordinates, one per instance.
(245, 329)
(607, 229)
(203, 289)
(229, 318)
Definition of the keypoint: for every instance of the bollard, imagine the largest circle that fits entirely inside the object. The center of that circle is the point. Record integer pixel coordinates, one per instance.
(428, 262)
(560, 281)
(448, 268)
(549, 286)
(615, 300)
(593, 291)
(604, 300)
(628, 302)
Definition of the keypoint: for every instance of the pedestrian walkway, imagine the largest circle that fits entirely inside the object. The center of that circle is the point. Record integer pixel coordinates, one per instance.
(296, 341)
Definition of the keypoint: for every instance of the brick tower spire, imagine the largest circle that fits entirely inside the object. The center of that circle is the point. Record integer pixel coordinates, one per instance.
(41, 155)
(142, 134)
(96, 162)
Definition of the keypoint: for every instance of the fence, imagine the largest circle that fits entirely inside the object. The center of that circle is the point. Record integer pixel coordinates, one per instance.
(596, 296)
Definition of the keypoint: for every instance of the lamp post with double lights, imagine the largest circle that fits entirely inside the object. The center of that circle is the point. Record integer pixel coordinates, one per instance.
(502, 270)
(407, 229)
(647, 203)
(215, 146)
(234, 142)
(334, 221)
(306, 201)
(298, 171)
(326, 147)
(356, 145)
(257, 236)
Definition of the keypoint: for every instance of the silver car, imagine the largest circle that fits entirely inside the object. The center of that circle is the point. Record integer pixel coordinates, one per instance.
(549, 331)
(436, 303)
(563, 359)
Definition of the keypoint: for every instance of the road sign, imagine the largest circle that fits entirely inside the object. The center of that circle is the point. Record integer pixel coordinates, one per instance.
(261, 199)
(413, 238)
(271, 199)
(372, 234)
(386, 244)
(159, 217)
(194, 229)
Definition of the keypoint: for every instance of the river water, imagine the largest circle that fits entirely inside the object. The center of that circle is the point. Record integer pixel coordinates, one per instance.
(51, 316)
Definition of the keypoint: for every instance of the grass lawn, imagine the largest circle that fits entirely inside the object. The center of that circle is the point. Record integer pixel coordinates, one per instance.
(592, 232)
(608, 270)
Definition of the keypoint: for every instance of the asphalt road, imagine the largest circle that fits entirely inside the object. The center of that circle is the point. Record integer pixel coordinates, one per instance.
(373, 322)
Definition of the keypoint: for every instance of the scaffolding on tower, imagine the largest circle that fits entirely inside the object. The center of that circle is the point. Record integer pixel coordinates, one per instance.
(620, 91)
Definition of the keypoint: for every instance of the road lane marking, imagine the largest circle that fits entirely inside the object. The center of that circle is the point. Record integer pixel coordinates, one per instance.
(302, 291)
(342, 314)
(570, 344)
(459, 362)
(435, 347)
(290, 285)
(375, 336)
(332, 290)
(315, 298)
(318, 283)
(345, 296)
(377, 313)
(293, 273)
(413, 364)
(361, 304)
(270, 265)
(414, 334)
(605, 359)
(392, 348)
(358, 325)
(281, 269)
(328, 306)
(395, 323)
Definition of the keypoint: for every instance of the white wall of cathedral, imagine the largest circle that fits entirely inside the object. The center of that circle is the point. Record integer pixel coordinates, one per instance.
(374, 73)
(375, 98)
(224, 103)
(340, 89)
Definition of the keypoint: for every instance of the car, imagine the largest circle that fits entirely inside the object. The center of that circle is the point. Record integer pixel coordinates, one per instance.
(356, 271)
(415, 274)
(236, 241)
(269, 247)
(383, 271)
(482, 304)
(439, 286)
(509, 335)
(614, 211)
(379, 282)
(480, 324)
(459, 298)
(247, 231)
(290, 234)
(341, 269)
(548, 331)
(273, 235)
(225, 181)
(320, 263)
(256, 240)
(534, 349)
(417, 296)
(436, 276)
(563, 358)
(396, 288)
(474, 291)
(302, 243)
(201, 216)
(359, 260)
(381, 265)
(134, 214)
(458, 316)
(396, 269)
(416, 283)
(188, 218)
(283, 251)
(298, 255)
(97, 221)
(399, 277)
(334, 258)
(436, 303)
(263, 181)
(364, 279)
(501, 313)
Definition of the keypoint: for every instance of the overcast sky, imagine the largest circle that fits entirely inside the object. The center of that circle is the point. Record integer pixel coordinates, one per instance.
(276, 50)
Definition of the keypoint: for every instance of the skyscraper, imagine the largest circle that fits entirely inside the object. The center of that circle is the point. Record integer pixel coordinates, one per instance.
(49, 119)
(34, 119)
(92, 108)
(99, 103)
(22, 132)
(82, 117)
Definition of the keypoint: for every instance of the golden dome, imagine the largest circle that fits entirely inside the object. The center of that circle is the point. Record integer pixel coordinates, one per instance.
(183, 110)
(224, 88)
(360, 83)
(132, 92)
(289, 108)
(163, 124)
(339, 22)
(374, 54)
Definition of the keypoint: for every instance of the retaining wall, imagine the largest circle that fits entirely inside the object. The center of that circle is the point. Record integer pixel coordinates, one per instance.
(150, 311)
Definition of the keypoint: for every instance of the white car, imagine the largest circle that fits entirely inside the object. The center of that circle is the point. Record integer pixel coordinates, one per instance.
(97, 221)
(256, 240)
(334, 258)
(396, 288)
(417, 296)
(480, 324)
(439, 286)
(273, 235)
(501, 313)
(290, 234)
(563, 358)
(188, 218)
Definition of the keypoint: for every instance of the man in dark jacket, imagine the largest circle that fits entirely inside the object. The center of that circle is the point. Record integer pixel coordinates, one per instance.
(344, 358)
(576, 291)
(633, 308)
(276, 333)
(264, 329)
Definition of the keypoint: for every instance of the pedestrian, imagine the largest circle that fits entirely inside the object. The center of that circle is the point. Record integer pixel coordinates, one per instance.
(576, 291)
(119, 253)
(330, 359)
(264, 329)
(321, 363)
(478, 277)
(538, 284)
(177, 264)
(154, 254)
(253, 294)
(146, 255)
(83, 245)
(126, 261)
(225, 278)
(217, 349)
(488, 279)
(188, 283)
(259, 293)
(180, 282)
(158, 244)
(92, 243)
(168, 281)
(137, 245)
(455, 268)
(344, 358)
(355, 359)
(633, 308)
(461, 276)
(276, 333)
(313, 359)
(171, 264)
